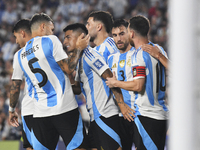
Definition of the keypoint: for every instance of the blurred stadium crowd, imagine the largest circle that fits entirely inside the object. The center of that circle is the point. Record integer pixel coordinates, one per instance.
(65, 12)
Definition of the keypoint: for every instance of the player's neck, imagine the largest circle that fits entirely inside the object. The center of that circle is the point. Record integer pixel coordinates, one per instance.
(127, 49)
(100, 38)
(139, 41)
(28, 38)
(36, 33)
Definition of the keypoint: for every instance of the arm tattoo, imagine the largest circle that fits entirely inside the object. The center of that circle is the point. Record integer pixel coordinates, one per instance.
(68, 65)
(73, 60)
(118, 95)
(14, 92)
(116, 91)
(62, 64)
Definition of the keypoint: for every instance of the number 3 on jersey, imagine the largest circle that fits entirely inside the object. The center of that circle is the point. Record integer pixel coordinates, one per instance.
(38, 70)
(122, 75)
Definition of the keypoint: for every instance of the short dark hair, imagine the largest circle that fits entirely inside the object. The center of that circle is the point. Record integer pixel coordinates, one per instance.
(23, 24)
(120, 22)
(140, 24)
(76, 27)
(105, 17)
(39, 18)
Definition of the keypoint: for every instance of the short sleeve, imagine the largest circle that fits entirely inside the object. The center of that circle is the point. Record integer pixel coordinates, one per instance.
(17, 71)
(138, 65)
(58, 51)
(96, 61)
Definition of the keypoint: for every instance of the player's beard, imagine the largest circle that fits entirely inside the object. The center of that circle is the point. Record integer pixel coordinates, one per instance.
(124, 47)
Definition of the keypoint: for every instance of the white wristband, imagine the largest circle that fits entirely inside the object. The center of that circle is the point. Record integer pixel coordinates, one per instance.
(11, 109)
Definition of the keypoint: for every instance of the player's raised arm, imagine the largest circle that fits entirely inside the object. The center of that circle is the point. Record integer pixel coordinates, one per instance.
(155, 52)
(68, 65)
(125, 109)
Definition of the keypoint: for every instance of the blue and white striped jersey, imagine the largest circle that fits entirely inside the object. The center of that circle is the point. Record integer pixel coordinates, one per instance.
(107, 47)
(99, 98)
(120, 63)
(47, 84)
(151, 101)
(27, 103)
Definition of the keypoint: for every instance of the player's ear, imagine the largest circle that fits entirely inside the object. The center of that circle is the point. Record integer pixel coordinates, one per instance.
(23, 33)
(132, 33)
(99, 26)
(42, 26)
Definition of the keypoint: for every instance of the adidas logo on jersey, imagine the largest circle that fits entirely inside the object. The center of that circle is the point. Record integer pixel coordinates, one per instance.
(129, 62)
(114, 66)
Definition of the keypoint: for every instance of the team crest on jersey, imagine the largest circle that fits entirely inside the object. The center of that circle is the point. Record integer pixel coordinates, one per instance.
(30, 42)
(122, 63)
(129, 62)
(134, 72)
(114, 66)
(98, 64)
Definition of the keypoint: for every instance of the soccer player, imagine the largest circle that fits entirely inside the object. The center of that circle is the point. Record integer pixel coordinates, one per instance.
(149, 87)
(91, 73)
(120, 64)
(22, 33)
(45, 66)
(99, 25)
(156, 53)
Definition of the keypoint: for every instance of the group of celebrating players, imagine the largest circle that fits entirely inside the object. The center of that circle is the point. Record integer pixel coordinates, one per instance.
(123, 79)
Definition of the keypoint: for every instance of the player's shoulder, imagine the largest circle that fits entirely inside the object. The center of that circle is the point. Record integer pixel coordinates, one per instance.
(89, 53)
(52, 38)
(113, 55)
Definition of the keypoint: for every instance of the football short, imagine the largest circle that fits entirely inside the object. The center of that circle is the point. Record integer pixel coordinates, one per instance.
(149, 133)
(69, 126)
(126, 133)
(27, 123)
(104, 133)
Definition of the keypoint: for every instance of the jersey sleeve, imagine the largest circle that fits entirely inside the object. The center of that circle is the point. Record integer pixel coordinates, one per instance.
(58, 51)
(96, 61)
(110, 61)
(17, 71)
(138, 65)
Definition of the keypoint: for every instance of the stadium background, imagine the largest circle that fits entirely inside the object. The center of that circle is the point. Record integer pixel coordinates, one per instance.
(63, 12)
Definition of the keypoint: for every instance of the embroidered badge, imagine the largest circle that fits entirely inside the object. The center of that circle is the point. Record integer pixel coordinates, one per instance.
(98, 64)
(121, 63)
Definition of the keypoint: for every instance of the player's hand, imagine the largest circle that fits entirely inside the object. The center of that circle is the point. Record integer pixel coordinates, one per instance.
(111, 81)
(127, 112)
(13, 119)
(82, 42)
(152, 50)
